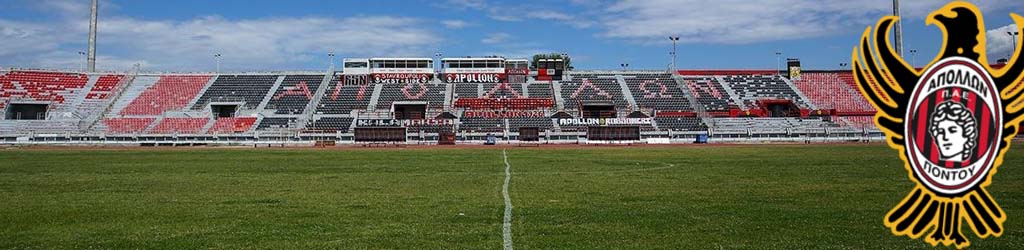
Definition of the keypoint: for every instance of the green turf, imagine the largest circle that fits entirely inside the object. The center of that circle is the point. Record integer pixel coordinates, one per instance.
(740, 197)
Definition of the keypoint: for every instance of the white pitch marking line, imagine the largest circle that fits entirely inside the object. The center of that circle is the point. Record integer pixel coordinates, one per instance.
(506, 225)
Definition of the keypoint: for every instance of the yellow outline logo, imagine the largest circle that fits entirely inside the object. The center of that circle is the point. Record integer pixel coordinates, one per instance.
(959, 83)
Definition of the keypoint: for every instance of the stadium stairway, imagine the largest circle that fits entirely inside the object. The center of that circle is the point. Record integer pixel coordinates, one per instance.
(626, 92)
(207, 126)
(506, 131)
(829, 90)
(556, 89)
(108, 103)
(131, 92)
(690, 97)
(449, 95)
(69, 109)
(733, 97)
(352, 126)
(202, 91)
(270, 94)
(80, 97)
(806, 101)
(153, 124)
(377, 88)
(307, 114)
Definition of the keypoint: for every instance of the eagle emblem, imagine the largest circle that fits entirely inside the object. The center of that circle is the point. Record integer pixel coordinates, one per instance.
(952, 122)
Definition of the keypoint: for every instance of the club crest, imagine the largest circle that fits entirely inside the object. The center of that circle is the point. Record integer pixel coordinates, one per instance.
(952, 122)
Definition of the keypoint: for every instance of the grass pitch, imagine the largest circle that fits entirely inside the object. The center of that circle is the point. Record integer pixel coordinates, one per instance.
(720, 197)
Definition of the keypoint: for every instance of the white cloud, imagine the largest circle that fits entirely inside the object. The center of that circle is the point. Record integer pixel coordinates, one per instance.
(455, 24)
(747, 21)
(277, 42)
(494, 38)
(1000, 44)
(247, 44)
(467, 4)
(517, 53)
(22, 37)
(518, 13)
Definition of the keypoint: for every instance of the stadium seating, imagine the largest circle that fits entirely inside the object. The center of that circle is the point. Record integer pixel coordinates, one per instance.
(277, 124)
(104, 85)
(657, 92)
(432, 93)
(170, 92)
(680, 123)
(751, 88)
(709, 92)
(468, 90)
(40, 86)
(127, 125)
(541, 123)
(179, 125)
(158, 105)
(294, 94)
(232, 125)
(332, 124)
(23, 127)
(540, 90)
(343, 97)
(482, 125)
(859, 122)
(831, 90)
(248, 89)
(513, 104)
(502, 90)
(593, 88)
(768, 124)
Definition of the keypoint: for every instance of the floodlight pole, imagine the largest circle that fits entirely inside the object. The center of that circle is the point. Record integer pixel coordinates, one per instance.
(1013, 38)
(437, 62)
(898, 31)
(216, 57)
(330, 56)
(675, 41)
(92, 35)
(778, 62)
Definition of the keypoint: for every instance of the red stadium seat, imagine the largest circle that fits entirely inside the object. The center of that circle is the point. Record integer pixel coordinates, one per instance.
(171, 92)
(179, 125)
(232, 125)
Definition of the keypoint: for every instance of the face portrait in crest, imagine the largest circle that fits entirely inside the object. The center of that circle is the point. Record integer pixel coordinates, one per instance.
(955, 131)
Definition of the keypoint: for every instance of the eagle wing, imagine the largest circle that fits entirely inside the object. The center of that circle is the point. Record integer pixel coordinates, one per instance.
(876, 70)
(1010, 81)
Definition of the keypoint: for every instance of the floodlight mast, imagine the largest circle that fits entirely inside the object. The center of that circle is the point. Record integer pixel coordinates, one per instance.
(1013, 38)
(675, 41)
(92, 35)
(898, 31)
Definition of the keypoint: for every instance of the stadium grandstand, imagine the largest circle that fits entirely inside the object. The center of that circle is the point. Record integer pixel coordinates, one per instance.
(408, 100)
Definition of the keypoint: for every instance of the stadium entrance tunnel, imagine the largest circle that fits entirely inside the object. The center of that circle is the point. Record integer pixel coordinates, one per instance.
(26, 111)
(598, 111)
(224, 111)
(410, 111)
(780, 108)
(529, 134)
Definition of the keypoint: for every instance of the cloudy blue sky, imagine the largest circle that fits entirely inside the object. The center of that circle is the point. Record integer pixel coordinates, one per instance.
(182, 35)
